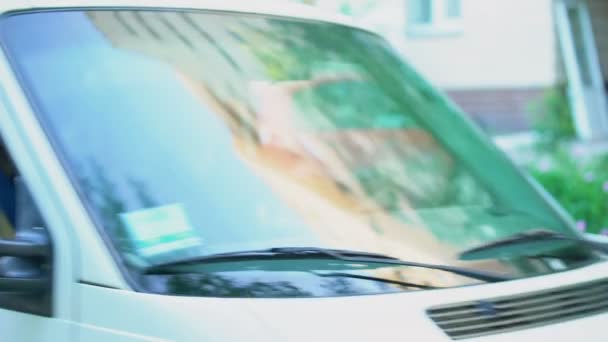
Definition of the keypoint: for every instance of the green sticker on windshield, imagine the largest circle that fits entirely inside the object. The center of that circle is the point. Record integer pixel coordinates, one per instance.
(160, 230)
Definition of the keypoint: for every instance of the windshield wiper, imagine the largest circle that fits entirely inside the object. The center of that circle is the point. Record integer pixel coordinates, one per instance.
(316, 253)
(382, 280)
(529, 237)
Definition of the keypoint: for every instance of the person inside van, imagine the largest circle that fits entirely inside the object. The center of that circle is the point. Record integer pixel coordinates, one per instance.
(17, 207)
(7, 195)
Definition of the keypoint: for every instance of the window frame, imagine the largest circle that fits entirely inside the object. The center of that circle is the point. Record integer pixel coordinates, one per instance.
(440, 24)
(37, 304)
(32, 155)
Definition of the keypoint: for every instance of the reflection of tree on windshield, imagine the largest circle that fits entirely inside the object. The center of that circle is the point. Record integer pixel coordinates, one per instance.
(324, 121)
(344, 287)
(242, 285)
(308, 63)
(362, 106)
(110, 201)
(210, 284)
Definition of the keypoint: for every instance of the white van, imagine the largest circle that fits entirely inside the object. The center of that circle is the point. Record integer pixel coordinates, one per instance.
(216, 171)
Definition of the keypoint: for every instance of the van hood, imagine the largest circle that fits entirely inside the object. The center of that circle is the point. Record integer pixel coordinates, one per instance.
(365, 318)
(169, 318)
(391, 317)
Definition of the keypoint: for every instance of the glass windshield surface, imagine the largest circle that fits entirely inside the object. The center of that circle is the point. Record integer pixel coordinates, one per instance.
(194, 133)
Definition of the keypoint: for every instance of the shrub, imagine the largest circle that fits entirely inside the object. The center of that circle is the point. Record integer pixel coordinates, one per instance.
(579, 184)
(551, 118)
(581, 189)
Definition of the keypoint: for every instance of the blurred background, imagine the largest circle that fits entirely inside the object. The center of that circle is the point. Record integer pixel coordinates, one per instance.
(532, 74)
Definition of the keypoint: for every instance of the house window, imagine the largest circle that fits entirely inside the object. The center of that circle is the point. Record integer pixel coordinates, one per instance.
(453, 9)
(422, 11)
(433, 17)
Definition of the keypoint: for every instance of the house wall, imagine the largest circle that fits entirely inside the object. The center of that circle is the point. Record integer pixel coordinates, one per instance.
(502, 44)
(498, 110)
(502, 58)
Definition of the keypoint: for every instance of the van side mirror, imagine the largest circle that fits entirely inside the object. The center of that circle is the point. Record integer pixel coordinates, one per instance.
(24, 262)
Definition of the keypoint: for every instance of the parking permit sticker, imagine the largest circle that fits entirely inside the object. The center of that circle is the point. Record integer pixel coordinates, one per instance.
(161, 229)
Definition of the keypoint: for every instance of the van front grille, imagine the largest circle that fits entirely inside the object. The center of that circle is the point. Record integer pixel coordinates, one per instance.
(503, 314)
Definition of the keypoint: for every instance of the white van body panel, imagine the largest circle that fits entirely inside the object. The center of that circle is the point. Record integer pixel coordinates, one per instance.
(265, 7)
(17, 326)
(387, 317)
(94, 303)
(69, 223)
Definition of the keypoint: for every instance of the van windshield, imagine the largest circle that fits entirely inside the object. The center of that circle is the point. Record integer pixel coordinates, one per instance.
(194, 133)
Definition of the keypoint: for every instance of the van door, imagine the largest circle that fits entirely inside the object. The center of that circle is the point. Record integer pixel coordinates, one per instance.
(31, 311)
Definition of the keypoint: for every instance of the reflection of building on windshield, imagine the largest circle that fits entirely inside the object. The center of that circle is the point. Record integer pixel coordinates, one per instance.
(334, 147)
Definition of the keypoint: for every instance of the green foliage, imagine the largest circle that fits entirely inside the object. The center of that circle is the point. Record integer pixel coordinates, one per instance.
(552, 119)
(368, 107)
(581, 189)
